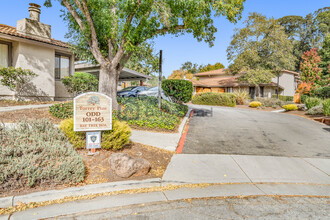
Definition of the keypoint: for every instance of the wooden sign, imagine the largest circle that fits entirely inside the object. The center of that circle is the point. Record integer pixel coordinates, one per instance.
(92, 112)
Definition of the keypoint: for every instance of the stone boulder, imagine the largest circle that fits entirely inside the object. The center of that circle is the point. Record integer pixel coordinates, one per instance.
(124, 165)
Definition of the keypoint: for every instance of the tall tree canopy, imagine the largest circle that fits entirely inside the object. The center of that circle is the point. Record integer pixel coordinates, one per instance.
(113, 30)
(325, 56)
(261, 49)
(306, 32)
(181, 74)
(190, 67)
(210, 67)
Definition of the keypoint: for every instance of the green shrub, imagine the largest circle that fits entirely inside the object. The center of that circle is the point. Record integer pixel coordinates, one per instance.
(303, 98)
(283, 98)
(35, 153)
(80, 83)
(269, 102)
(241, 96)
(316, 110)
(312, 101)
(290, 107)
(255, 104)
(62, 110)
(220, 99)
(115, 139)
(322, 92)
(144, 112)
(326, 107)
(179, 90)
(16, 80)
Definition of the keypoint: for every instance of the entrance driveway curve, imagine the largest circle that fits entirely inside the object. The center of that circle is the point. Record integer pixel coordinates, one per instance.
(224, 130)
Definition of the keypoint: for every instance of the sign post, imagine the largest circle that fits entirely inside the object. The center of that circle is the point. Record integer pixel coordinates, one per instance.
(92, 113)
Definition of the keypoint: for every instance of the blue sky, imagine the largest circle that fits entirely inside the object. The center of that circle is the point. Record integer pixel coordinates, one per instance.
(176, 50)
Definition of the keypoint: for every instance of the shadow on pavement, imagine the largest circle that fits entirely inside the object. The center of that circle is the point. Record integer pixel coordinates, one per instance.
(203, 112)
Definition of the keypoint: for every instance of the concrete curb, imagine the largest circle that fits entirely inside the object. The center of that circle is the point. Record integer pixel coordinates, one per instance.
(279, 111)
(78, 191)
(211, 191)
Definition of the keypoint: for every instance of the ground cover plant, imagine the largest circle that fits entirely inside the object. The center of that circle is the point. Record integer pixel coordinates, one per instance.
(35, 153)
(62, 110)
(220, 99)
(114, 139)
(316, 110)
(270, 102)
(144, 112)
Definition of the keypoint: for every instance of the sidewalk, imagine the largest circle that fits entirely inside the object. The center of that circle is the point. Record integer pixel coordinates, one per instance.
(21, 107)
(210, 176)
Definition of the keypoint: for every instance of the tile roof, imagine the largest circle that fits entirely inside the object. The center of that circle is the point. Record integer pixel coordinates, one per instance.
(292, 72)
(9, 30)
(225, 82)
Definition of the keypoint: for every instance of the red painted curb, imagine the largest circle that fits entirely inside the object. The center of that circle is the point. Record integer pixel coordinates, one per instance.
(183, 136)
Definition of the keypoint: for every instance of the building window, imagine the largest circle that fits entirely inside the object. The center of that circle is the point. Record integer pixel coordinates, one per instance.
(230, 89)
(62, 66)
(261, 91)
(5, 54)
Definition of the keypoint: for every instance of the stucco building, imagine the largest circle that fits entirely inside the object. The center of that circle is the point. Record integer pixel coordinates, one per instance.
(222, 80)
(30, 46)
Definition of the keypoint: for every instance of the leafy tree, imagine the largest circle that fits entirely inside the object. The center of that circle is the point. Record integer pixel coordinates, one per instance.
(261, 49)
(306, 32)
(255, 77)
(325, 56)
(190, 67)
(144, 60)
(80, 83)
(16, 80)
(113, 30)
(310, 70)
(181, 74)
(210, 67)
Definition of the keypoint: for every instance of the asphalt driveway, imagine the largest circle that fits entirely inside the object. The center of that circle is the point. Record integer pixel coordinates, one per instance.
(248, 132)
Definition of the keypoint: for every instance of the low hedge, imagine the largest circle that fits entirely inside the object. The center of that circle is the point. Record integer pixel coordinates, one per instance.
(326, 107)
(36, 153)
(114, 139)
(179, 90)
(311, 102)
(219, 99)
(62, 110)
(255, 104)
(290, 107)
(283, 98)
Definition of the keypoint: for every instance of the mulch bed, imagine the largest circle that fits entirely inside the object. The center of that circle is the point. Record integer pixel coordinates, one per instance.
(319, 118)
(265, 109)
(98, 168)
(36, 113)
(6, 103)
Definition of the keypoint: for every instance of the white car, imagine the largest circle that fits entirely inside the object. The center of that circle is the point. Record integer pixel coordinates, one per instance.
(154, 92)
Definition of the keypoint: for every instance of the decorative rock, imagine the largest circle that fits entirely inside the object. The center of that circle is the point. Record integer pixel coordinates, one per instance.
(125, 166)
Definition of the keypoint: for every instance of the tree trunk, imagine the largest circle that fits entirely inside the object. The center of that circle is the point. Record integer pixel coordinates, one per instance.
(108, 82)
(257, 90)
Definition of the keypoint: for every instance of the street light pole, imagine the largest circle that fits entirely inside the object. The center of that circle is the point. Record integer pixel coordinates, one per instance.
(278, 82)
(160, 79)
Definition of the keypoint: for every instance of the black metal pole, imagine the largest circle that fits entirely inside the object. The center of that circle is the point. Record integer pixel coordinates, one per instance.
(160, 79)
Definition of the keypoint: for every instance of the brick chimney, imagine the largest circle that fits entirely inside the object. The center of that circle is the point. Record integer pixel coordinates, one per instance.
(32, 26)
